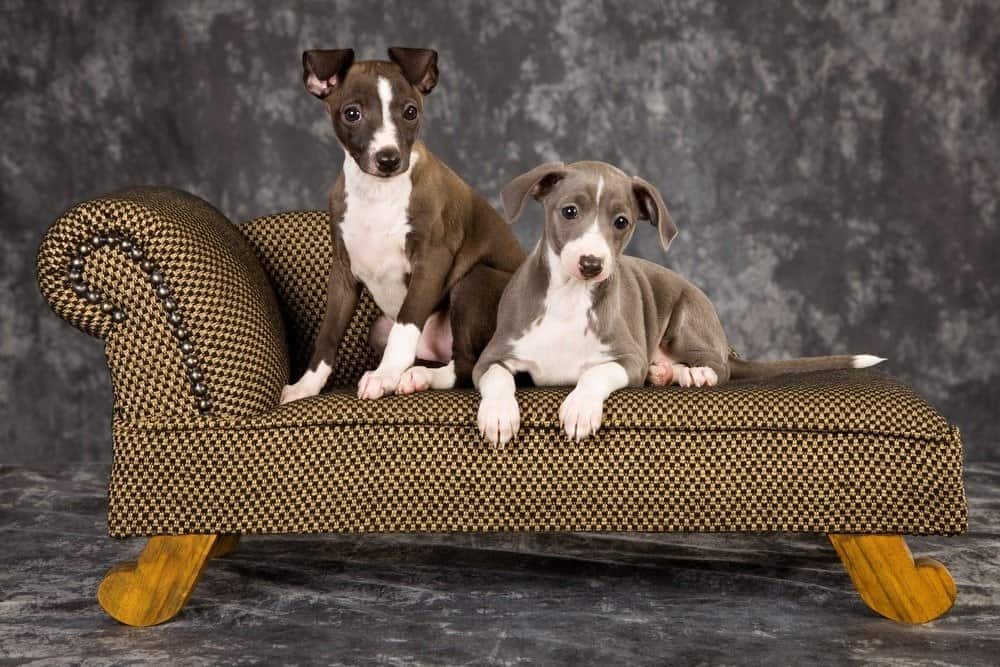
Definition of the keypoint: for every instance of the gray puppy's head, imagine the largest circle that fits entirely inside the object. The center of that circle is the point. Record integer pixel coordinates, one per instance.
(590, 213)
(375, 105)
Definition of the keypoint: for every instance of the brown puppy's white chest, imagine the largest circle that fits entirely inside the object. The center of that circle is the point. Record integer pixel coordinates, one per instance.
(374, 230)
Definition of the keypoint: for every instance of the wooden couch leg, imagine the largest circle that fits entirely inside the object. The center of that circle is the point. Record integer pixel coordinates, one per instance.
(224, 545)
(154, 589)
(891, 582)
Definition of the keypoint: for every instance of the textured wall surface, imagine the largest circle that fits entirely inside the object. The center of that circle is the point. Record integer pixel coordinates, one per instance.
(834, 168)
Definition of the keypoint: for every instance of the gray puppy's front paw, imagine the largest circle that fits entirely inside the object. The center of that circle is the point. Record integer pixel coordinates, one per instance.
(499, 419)
(580, 414)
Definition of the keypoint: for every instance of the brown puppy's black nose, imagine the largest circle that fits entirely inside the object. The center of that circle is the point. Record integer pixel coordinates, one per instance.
(387, 160)
(590, 266)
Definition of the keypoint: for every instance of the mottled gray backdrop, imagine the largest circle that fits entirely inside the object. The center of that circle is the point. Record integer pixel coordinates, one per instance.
(834, 168)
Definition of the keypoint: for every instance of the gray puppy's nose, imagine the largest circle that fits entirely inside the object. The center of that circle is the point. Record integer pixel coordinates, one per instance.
(590, 265)
(387, 160)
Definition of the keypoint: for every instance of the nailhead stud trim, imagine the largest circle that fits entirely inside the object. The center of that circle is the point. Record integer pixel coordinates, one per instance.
(134, 252)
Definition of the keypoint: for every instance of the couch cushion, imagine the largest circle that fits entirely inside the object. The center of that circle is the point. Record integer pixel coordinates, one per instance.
(842, 451)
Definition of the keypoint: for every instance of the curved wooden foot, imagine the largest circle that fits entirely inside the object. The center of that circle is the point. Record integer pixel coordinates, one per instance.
(154, 588)
(224, 545)
(891, 582)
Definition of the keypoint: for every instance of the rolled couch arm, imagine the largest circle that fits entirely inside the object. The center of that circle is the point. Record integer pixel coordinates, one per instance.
(192, 328)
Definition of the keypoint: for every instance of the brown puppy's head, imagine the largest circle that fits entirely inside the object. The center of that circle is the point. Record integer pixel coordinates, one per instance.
(375, 105)
(590, 213)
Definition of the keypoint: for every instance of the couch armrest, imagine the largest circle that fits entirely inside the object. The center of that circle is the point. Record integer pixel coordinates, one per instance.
(191, 325)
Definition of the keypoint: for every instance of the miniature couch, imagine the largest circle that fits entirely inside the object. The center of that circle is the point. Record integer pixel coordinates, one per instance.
(204, 322)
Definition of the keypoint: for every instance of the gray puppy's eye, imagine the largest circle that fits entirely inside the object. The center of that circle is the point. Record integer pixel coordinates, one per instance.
(621, 222)
(570, 212)
(410, 112)
(352, 113)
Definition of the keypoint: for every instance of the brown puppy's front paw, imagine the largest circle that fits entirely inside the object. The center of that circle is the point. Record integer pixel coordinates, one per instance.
(580, 414)
(375, 384)
(414, 379)
(294, 392)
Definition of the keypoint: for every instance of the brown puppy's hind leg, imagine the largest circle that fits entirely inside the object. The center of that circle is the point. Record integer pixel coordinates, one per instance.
(474, 302)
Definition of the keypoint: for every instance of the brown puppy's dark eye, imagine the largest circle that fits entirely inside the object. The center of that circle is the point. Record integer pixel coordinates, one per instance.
(621, 222)
(352, 114)
(570, 212)
(410, 112)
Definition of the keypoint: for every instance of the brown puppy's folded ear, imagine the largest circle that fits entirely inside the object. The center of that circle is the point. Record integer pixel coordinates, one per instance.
(419, 66)
(538, 182)
(652, 208)
(324, 69)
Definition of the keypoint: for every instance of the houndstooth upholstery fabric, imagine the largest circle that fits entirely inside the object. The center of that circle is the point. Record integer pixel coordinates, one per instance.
(844, 451)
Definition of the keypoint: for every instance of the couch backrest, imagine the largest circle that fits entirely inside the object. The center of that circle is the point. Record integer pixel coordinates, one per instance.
(296, 250)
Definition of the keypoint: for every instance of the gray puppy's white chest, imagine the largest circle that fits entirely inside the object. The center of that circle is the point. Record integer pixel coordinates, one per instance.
(560, 345)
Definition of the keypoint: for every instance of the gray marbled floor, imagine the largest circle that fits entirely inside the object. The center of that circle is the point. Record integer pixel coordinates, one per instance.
(458, 599)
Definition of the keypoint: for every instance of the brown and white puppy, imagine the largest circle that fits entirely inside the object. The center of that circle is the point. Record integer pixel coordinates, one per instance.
(434, 255)
(579, 312)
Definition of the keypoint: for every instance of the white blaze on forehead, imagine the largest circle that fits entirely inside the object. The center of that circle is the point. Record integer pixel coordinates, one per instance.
(600, 189)
(385, 136)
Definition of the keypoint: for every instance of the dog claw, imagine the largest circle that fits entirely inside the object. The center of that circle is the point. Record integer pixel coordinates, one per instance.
(295, 392)
(499, 419)
(376, 385)
(694, 376)
(414, 379)
(580, 415)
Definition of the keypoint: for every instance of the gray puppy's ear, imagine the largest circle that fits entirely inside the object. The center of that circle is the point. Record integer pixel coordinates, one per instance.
(420, 66)
(538, 182)
(652, 208)
(325, 69)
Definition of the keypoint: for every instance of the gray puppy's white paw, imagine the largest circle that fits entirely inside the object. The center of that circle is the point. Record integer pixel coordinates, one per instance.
(580, 414)
(499, 419)
(703, 376)
(695, 376)
(660, 374)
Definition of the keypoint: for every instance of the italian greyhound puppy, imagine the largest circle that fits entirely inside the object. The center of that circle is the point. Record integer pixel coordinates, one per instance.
(579, 312)
(434, 254)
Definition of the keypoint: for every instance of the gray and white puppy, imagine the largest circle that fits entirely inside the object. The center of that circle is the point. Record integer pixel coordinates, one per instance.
(579, 312)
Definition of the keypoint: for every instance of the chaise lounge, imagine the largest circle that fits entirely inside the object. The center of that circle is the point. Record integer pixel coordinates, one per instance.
(204, 321)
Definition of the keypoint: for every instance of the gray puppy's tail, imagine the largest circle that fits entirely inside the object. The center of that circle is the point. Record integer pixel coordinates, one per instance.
(751, 370)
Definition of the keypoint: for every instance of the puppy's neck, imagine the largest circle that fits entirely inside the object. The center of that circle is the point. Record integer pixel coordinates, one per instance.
(375, 188)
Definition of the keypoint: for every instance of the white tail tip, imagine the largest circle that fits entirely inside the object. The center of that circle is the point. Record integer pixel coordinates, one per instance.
(866, 360)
